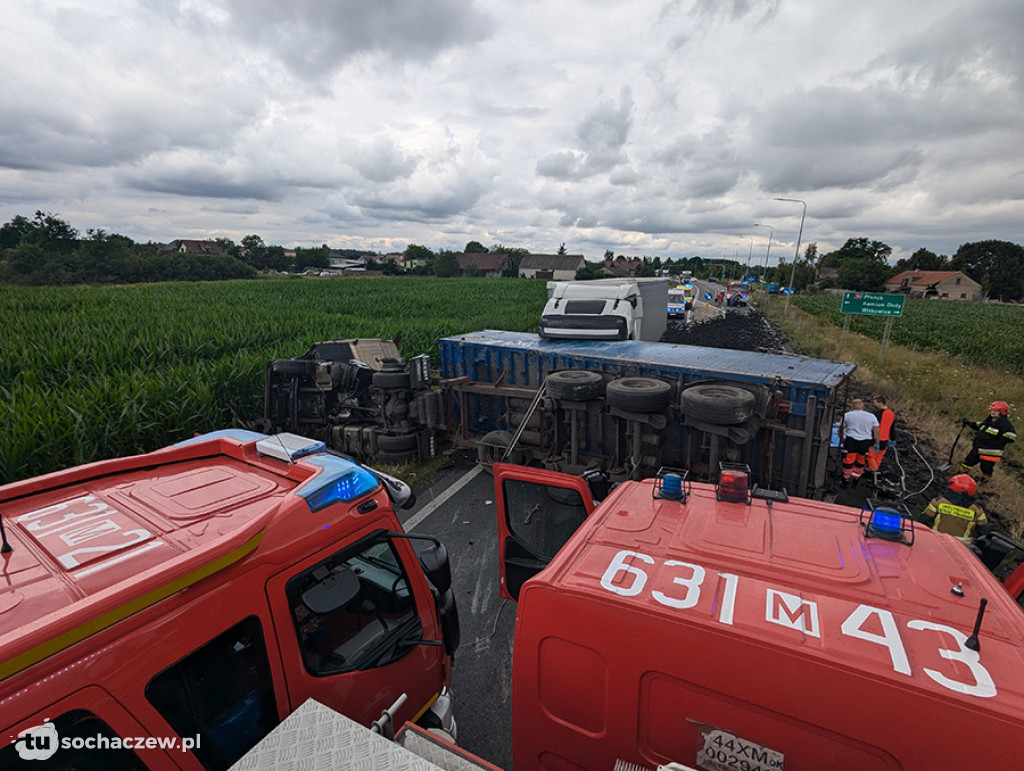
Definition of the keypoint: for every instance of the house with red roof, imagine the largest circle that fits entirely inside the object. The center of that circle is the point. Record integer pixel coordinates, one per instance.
(487, 264)
(941, 284)
(191, 246)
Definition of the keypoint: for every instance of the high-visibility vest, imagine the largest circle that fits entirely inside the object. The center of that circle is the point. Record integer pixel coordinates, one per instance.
(959, 521)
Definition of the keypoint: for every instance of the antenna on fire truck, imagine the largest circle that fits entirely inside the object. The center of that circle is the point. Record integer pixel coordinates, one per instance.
(972, 641)
(6, 548)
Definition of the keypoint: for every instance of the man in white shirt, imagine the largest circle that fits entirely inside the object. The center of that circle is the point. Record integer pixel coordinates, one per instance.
(858, 433)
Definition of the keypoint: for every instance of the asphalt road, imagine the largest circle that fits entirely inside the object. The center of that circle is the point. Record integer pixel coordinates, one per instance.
(459, 510)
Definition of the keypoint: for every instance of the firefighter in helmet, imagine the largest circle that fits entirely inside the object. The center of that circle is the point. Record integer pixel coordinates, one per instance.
(955, 511)
(994, 433)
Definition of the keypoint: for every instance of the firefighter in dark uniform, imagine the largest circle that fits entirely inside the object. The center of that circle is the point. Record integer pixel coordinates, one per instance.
(994, 433)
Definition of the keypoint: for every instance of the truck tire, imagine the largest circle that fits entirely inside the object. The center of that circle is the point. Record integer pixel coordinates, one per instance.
(396, 458)
(293, 366)
(575, 385)
(490, 449)
(718, 404)
(389, 380)
(397, 443)
(639, 394)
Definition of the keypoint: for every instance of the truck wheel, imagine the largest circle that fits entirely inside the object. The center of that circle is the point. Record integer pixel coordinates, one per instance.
(490, 449)
(718, 404)
(293, 366)
(396, 458)
(397, 444)
(575, 385)
(388, 380)
(639, 394)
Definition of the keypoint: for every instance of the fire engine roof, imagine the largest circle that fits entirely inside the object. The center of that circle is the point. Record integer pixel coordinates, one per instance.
(650, 357)
(801, 574)
(96, 543)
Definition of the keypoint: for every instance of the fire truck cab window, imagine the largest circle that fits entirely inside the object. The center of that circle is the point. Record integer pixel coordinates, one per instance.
(542, 517)
(78, 741)
(221, 692)
(354, 610)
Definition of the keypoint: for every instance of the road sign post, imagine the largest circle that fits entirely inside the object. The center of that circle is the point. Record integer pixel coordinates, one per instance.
(871, 304)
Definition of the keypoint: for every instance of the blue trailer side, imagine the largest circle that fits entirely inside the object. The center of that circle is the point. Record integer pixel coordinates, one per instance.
(493, 377)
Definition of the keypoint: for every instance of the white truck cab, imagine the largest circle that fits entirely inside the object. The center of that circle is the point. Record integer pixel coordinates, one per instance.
(605, 309)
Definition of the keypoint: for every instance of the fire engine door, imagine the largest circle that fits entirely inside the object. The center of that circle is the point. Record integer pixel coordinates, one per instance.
(538, 511)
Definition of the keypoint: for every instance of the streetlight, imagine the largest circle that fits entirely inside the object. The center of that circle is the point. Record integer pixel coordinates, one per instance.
(792, 275)
(750, 253)
(771, 232)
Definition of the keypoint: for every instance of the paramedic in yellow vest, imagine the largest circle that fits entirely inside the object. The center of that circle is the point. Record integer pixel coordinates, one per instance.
(885, 418)
(955, 511)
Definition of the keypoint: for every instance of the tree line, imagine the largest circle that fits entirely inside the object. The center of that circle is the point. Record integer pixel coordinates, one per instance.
(48, 250)
(863, 265)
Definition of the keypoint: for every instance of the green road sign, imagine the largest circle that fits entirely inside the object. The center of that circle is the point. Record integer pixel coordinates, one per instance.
(873, 304)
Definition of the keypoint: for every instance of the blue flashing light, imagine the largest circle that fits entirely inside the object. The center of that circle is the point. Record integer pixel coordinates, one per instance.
(341, 481)
(885, 520)
(672, 486)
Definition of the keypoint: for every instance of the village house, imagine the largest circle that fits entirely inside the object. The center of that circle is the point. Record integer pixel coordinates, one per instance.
(187, 246)
(559, 267)
(619, 267)
(943, 284)
(486, 264)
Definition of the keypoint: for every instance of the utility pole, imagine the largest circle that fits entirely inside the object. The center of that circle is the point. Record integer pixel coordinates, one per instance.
(771, 232)
(792, 274)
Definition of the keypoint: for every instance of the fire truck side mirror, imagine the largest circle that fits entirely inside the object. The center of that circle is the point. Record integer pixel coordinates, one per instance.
(435, 563)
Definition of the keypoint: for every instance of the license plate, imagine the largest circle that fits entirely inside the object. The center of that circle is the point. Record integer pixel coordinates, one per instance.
(723, 751)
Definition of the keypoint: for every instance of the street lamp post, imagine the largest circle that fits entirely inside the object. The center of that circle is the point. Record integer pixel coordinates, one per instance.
(792, 274)
(771, 232)
(750, 253)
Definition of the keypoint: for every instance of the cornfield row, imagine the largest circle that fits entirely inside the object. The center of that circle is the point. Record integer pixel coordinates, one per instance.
(95, 372)
(981, 334)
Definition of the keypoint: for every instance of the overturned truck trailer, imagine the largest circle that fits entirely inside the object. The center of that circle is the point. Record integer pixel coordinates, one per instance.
(631, 407)
(625, 407)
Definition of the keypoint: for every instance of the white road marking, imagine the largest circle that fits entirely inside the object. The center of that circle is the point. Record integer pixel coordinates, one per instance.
(431, 507)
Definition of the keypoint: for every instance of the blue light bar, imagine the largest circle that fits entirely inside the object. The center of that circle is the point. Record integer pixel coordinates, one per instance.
(885, 520)
(341, 481)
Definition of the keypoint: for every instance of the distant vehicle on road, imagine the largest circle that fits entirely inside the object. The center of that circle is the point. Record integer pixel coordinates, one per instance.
(736, 294)
(680, 300)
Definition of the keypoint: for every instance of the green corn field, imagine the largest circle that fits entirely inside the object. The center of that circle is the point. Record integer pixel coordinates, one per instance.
(88, 373)
(980, 334)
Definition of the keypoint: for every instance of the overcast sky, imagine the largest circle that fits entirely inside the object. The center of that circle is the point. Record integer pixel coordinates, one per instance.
(657, 128)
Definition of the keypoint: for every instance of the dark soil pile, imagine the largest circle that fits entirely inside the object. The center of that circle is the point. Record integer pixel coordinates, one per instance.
(740, 329)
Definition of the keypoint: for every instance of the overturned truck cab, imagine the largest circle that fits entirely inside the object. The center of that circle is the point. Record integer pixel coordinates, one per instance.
(357, 396)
